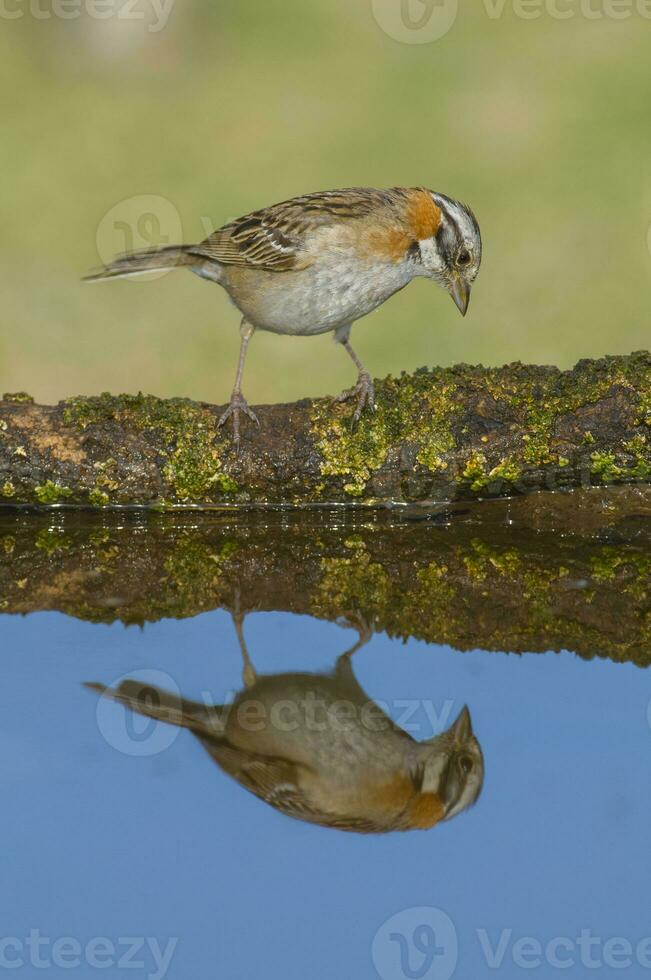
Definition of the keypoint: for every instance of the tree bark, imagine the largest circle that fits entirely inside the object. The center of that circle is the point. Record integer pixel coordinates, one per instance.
(445, 434)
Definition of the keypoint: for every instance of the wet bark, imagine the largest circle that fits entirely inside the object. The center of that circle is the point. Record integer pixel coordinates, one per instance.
(445, 434)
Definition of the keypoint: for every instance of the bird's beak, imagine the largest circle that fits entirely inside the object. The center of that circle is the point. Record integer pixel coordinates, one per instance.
(462, 727)
(460, 293)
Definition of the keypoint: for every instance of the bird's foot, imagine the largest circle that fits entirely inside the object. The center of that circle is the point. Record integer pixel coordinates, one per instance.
(364, 392)
(237, 404)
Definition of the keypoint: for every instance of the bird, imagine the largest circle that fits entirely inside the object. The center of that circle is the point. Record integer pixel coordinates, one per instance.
(318, 749)
(318, 262)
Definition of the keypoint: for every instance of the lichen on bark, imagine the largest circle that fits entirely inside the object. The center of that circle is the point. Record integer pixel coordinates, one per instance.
(442, 434)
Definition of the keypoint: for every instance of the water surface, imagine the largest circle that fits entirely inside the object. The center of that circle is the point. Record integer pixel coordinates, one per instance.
(119, 827)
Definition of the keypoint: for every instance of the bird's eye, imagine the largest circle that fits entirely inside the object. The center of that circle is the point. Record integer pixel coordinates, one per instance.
(466, 764)
(463, 258)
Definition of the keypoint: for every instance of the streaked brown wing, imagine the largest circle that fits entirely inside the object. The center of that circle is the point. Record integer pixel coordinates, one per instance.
(267, 776)
(276, 781)
(274, 238)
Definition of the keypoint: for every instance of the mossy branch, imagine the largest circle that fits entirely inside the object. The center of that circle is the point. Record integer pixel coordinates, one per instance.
(444, 434)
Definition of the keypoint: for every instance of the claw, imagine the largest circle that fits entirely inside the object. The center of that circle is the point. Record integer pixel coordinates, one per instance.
(236, 405)
(364, 391)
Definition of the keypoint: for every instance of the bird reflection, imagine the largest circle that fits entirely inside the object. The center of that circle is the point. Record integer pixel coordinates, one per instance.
(317, 748)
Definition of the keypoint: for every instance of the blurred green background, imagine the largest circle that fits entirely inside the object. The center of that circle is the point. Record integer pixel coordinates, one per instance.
(543, 125)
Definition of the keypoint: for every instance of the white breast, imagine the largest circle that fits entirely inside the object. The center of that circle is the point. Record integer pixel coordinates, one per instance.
(325, 296)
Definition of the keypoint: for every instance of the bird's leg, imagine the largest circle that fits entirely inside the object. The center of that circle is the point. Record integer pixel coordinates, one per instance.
(249, 675)
(363, 390)
(238, 403)
(344, 668)
(364, 634)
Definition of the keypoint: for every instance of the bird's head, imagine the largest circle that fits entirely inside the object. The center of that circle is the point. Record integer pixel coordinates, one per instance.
(453, 767)
(452, 255)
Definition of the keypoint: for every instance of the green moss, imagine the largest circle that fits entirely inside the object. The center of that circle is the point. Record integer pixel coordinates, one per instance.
(51, 493)
(435, 602)
(52, 541)
(350, 453)
(611, 560)
(193, 448)
(99, 538)
(426, 410)
(98, 498)
(605, 467)
(481, 559)
(193, 467)
(194, 570)
(18, 398)
(417, 409)
(433, 429)
(104, 481)
(541, 402)
(352, 583)
(639, 464)
(475, 471)
(479, 476)
(529, 412)
(632, 463)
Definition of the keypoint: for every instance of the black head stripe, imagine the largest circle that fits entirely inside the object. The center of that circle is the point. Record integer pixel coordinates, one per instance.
(451, 235)
(447, 238)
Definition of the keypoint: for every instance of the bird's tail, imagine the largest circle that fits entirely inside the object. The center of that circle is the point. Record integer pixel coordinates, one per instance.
(148, 260)
(204, 720)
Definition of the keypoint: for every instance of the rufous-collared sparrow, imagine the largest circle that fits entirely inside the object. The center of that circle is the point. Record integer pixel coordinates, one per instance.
(318, 262)
(317, 748)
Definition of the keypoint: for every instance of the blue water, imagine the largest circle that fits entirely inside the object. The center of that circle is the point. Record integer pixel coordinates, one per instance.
(163, 858)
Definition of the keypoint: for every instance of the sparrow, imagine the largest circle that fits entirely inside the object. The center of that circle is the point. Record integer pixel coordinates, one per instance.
(317, 748)
(319, 262)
